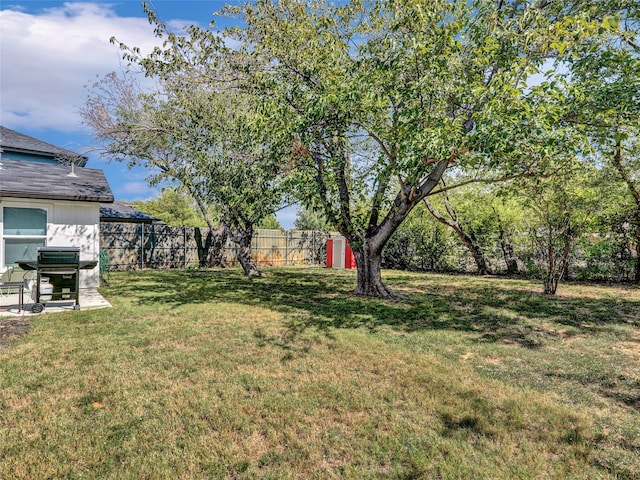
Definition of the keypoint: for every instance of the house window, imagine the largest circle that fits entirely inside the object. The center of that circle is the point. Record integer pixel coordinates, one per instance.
(25, 229)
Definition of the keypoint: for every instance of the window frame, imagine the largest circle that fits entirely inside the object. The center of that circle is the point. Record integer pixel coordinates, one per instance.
(4, 237)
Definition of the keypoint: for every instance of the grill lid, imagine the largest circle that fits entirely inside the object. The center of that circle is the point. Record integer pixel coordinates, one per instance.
(58, 255)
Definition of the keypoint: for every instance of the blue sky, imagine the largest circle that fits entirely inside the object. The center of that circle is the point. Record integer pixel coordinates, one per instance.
(51, 49)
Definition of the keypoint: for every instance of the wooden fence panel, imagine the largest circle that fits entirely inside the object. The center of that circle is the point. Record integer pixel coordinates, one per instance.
(136, 246)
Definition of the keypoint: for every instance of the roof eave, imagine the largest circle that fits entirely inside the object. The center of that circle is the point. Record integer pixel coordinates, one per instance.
(44, 196)
(125, 220)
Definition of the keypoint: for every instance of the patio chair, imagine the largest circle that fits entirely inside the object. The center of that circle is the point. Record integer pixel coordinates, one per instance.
(16, 280)
(9, 282)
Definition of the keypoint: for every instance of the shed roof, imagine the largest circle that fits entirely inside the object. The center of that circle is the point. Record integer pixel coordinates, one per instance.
(122, 212)
(20, 179)
(12, 141)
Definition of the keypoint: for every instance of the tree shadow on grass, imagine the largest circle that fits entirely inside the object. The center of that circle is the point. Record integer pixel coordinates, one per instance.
(486, 310)
(321, 300)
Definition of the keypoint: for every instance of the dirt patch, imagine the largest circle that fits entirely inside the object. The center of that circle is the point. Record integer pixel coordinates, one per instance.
(12, 329)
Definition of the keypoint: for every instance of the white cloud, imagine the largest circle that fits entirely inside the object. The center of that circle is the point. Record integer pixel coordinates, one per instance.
(48, 58)
(135, 191)
(130, 183)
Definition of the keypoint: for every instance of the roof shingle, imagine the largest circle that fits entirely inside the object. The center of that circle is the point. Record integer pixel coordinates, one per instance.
(20, 179)
(10, 140)
(122, 212)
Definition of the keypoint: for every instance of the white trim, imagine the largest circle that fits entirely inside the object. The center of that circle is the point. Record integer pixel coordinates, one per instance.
(47, 207)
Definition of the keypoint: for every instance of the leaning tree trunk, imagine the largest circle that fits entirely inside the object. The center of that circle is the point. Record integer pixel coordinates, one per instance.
(476, 252)
(211, 254)
(468, 239)
(243, 240)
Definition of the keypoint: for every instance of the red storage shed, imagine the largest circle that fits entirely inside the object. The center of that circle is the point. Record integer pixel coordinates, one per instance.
(339, 253)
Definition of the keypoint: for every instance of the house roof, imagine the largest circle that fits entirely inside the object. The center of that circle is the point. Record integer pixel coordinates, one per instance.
(122, 212)
(19, 179)
(12, 141)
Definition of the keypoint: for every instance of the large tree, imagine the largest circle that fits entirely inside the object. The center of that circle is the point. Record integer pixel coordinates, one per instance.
(130, 130)
(196, 126)
(382, 98)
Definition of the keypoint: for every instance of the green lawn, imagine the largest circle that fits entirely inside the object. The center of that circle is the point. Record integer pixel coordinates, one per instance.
(210, 374)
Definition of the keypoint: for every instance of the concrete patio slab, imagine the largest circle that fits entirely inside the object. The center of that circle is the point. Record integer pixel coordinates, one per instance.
(89, 299)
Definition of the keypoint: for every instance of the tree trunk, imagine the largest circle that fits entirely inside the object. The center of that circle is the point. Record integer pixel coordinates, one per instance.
(211, 251)
(478, 256)
(368, 249)
(203, 248)
(217, 250)
(507, 248)
(509, 257)
(552, 277)
(213, 256)
(368, 261)
(551, 283)
(243, 239)
(637, 231)
(558, 263)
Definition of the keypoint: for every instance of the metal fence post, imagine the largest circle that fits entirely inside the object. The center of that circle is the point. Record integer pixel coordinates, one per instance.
(142, 246)
(184, 240)
(286, 249)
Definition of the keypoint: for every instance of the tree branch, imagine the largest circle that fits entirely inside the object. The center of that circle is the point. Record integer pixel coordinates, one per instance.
(490, 180)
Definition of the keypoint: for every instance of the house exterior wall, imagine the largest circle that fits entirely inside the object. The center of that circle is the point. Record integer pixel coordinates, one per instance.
(69, 224)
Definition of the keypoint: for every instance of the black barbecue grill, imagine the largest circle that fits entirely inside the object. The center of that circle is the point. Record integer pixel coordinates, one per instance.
(61, 265)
